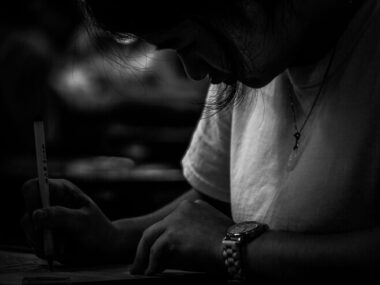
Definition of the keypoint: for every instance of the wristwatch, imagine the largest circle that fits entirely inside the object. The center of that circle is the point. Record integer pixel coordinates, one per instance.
(237, 236)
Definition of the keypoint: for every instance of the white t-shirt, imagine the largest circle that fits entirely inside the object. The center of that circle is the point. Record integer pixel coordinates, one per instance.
(241, 154)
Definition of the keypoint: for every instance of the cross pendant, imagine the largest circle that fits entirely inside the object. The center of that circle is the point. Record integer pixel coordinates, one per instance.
(297, 136)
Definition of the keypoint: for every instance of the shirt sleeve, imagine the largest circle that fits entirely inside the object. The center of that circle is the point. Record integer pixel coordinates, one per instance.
(206, 164)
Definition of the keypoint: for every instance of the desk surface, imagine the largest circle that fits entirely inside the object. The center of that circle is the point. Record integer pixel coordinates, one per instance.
(15, 266)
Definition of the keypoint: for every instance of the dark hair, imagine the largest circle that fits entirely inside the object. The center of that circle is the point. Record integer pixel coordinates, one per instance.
(120, 20)
(120, 17)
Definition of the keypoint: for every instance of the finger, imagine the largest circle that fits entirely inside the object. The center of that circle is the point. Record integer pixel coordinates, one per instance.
(62, 192)
(58, 217)
(143, 249)
(31, 193)
(61, 248)
(66, 249)
(33, 236)
(28, 228)
(67, 194)
(158, 252)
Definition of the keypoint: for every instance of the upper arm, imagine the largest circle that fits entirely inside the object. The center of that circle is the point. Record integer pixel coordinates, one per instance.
(206, 164)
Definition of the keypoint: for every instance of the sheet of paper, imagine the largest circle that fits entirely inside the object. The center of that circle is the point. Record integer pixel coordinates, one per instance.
(14, 267)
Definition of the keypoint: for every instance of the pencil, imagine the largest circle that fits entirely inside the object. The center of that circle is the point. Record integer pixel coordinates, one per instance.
(39, 136)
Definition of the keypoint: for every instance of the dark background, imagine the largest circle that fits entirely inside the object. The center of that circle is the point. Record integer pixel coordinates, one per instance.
(119, 116)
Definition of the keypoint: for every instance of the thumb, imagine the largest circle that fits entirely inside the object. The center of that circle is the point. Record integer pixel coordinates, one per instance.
(57, 217)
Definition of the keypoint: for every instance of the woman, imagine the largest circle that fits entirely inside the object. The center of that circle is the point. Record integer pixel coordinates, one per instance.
(292, 149)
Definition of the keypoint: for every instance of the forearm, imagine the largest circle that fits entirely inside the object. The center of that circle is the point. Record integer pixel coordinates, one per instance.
(277, 255)
(130, 230)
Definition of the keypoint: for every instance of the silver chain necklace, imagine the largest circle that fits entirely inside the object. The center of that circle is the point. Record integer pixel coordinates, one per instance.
(298, 131)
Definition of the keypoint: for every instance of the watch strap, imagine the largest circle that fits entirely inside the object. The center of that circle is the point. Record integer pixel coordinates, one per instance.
(233, 248)
(232, 259)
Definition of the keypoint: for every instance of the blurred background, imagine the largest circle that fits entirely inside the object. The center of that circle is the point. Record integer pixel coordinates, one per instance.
(119, 116)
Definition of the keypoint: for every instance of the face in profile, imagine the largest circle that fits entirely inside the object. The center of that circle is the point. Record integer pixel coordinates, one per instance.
(246, 41)
(240, 47)
(217, 49)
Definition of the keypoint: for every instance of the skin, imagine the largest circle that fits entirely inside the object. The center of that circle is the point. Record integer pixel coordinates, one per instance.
(84, 235)
(79, 225)
(187, 233)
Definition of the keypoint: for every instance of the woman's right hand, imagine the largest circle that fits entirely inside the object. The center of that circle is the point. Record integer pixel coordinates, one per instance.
(83, 235)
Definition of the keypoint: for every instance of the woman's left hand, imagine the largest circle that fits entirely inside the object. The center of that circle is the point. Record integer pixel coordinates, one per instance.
(189, 238)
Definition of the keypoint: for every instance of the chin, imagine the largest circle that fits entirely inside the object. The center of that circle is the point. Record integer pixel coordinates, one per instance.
(257, 82)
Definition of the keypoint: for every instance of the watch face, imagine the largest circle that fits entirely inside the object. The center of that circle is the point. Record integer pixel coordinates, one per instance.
(243, 228)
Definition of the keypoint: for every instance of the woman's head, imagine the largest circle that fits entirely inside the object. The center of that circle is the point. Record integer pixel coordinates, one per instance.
(230, 40)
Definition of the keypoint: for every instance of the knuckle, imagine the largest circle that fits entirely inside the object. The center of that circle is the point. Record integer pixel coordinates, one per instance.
(171, 237)
(144, 240)
(29, 185)
(172, 246)
(55, 183)
(68, 185)
(145, 234)
(58, 183)
(148, 232)
(155, 251)
(85, 216)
